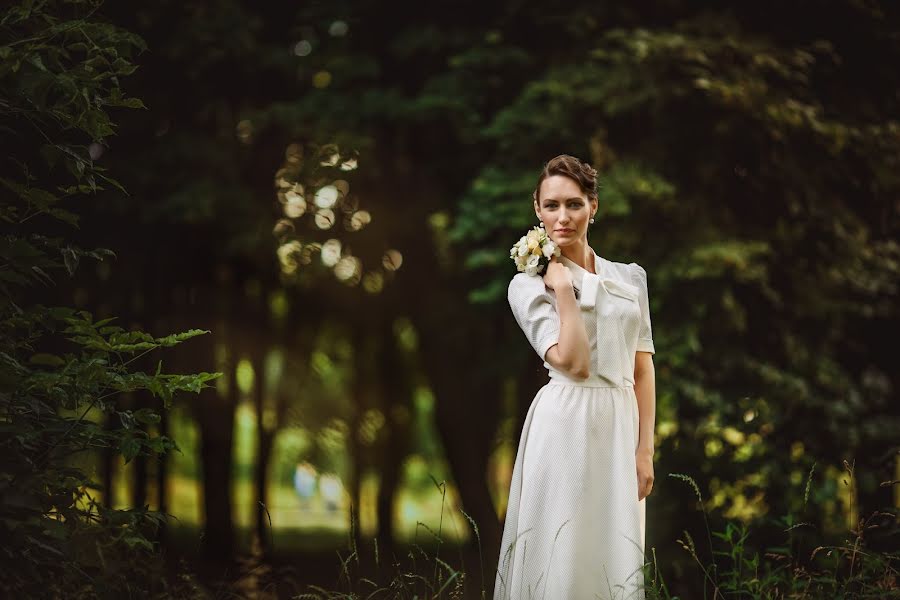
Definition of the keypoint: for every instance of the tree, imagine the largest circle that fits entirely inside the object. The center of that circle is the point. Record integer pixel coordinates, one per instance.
(61, 368)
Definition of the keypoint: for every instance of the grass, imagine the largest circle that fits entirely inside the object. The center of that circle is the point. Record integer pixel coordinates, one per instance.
(732, 565)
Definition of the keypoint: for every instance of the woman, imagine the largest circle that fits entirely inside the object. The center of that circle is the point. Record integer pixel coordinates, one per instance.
(584, 466)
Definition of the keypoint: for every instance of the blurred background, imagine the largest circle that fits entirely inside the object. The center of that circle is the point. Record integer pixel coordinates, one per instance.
(332, 189)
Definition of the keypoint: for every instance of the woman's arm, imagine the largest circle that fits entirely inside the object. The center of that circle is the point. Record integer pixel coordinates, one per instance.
(572, 353)
(645, 390)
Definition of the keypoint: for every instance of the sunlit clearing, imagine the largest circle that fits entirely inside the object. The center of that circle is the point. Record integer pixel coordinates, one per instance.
(360, 219)
(338, 29)
(348, 165)
(302, 48)
(283, 227)
(294, 204)
(331, 252)
(324, 218)
(321, 79)
(373, 282)
(245, 131)
(245, 375)
(326, 197)
(348, 269)
(332, 489)
(392, 260)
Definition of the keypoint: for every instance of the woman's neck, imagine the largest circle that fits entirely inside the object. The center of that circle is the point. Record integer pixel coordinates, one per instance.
(581, 254)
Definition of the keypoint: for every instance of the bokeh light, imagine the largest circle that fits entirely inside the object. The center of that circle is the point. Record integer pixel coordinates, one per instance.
(327, 196)
(392, 260)
(360, 219)
(338, 28)
(294, 204)
(373, 282)
(324, 218)
(331, 252)
(348, 269)
(245, 131)
(321, 80)
(283, 228)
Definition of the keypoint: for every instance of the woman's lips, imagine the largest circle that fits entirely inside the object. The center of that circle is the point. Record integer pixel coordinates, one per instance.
(564, 230)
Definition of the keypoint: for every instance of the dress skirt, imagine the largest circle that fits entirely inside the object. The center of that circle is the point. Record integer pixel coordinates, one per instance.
(574, 525)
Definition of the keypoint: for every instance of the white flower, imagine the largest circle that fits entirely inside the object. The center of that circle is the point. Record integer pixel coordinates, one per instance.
(533, 251)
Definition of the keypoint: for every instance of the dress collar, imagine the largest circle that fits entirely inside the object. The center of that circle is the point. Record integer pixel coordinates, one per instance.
(578, 272)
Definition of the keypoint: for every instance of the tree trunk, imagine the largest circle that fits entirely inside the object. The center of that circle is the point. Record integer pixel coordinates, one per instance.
(264, 446)
(395, 398)
(215, 415)
(467, 411)
(162, 475)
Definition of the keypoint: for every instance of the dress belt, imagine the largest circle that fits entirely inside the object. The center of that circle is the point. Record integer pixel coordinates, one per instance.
(590, 382)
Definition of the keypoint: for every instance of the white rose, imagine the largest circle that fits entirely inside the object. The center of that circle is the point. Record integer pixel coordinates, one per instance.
(549, 249)
(533, 260)
(523, 249)
(531, 271)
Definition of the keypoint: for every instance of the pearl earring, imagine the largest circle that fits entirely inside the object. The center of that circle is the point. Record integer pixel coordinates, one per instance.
(592, 220)
(542, 224)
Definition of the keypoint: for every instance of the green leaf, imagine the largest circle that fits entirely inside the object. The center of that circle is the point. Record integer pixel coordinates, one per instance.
(71, 259)
(129, 448)
(147, 416)
(46, 360)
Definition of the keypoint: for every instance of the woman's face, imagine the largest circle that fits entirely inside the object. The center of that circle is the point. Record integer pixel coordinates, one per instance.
(564, 209)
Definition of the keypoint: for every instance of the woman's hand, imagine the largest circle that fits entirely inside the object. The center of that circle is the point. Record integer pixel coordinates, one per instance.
(644, 461)
(557, 276)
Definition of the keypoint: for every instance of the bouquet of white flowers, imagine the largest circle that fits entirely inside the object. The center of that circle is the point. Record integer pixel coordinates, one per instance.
(533, 251)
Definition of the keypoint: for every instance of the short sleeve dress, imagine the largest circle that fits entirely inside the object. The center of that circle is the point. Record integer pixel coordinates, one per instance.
(574, 527)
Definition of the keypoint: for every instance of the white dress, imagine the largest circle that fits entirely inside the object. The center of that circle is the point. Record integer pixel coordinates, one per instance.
(574, 526)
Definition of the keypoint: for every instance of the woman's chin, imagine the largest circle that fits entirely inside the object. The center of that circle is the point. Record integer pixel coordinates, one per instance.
(565, 240)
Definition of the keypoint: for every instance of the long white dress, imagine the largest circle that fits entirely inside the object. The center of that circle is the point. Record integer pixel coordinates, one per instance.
(574, 526)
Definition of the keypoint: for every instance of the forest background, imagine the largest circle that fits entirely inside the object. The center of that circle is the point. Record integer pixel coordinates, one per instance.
(324, 196)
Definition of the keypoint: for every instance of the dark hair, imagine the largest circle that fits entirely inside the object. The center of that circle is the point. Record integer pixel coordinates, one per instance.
(582, 173)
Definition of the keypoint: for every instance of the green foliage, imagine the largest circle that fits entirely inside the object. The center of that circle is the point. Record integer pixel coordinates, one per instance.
(753, 172)
(804, 564)
(60, 369)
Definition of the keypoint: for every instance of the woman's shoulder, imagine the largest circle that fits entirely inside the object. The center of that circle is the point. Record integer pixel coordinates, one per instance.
(630, 272)
(523, 284)
(623, 269)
